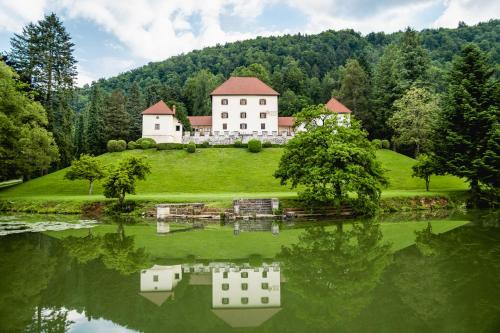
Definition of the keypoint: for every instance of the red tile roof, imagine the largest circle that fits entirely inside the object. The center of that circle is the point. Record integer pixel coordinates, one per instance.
(286, 121)
(159, 108)
(337, 107)
(237, 85)
(200, 120)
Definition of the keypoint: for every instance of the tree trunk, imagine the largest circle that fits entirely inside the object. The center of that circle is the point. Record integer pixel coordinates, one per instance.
(91, 187)
(427, 182)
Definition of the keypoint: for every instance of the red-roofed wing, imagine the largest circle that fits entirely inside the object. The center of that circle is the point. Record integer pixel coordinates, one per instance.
(159, 108)
(286, 121)
(335, 106)
(200, 120)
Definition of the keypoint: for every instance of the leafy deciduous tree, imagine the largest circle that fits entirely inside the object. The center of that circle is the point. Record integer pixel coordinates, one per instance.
(86, 167)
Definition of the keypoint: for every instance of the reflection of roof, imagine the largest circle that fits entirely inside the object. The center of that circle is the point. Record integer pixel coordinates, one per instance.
(159, 108)
(286, 121)
(200, 279)
(337, 107)
(157, 297)
(237, 85)
(200, 120)
(245, 317)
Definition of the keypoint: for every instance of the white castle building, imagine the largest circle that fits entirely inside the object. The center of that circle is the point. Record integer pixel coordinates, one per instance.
(242, 108)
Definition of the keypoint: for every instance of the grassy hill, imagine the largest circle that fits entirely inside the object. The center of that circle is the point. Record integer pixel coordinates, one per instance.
(214, 174)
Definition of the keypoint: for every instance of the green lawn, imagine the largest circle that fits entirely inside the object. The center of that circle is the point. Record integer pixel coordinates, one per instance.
(217, 174)
(216, 242)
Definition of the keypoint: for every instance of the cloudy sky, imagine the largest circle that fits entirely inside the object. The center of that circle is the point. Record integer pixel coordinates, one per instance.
(112, 36)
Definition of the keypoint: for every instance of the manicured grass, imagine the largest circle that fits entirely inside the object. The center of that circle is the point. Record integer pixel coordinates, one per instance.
(216, 242)
(217, 174)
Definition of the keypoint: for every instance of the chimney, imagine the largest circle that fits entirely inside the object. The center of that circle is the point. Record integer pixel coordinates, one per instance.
(173, 108)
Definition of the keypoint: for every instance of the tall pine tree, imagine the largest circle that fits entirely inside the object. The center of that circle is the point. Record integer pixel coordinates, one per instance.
(116, 119)
(135, 105)
(43, 55)
(94, 133)
(468, 129)
(355, 91)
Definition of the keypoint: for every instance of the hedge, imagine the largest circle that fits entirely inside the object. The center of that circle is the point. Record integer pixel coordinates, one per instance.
(169, 146)
(191, 147)
(146, 143)
(116, 145)
(254, 146)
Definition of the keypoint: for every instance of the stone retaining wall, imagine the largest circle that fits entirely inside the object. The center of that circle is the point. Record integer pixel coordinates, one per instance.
(229, 139)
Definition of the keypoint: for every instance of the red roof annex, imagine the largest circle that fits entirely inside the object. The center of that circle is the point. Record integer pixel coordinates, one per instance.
(337, 107)
(200, 120)
(286, 121)
(237, 85)
(159, 108)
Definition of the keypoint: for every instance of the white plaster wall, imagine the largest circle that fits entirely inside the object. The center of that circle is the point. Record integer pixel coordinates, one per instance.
(167, 132)
(166, 278)
(253, 110)
(254, 292)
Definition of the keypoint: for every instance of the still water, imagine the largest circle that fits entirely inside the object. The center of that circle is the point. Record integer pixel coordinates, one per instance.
(349, 278)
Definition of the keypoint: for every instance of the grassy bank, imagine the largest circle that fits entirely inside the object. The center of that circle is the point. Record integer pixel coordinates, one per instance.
(214, 176)
(218, 242)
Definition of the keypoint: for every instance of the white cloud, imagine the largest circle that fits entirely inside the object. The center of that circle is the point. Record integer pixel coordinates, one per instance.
(469, 11)
(14, 14)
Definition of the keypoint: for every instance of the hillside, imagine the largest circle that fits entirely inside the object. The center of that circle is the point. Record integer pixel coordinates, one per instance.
(317, 54)
(217, 173)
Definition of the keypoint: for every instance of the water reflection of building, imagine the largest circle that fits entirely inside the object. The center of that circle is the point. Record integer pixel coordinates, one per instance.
(158, 282)
(242, 295)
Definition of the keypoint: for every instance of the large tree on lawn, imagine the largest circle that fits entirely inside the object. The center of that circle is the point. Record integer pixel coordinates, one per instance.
(468, 130)
(121, 180)
(86, 167)
(333, 162)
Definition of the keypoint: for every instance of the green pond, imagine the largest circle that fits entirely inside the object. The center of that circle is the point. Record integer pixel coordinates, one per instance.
(429, 272)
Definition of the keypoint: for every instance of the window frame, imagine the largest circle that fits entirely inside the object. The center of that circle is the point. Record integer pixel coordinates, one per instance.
(224, 101)
(156, 278)
(262, 126)
(264, 300)
(244, 275)
(157, 127)
(177, 128)
(243, 101)
(244, 286)
(244, 300)
(224, 126)
(264, 285)
(243, 115)
(263, 115)
(262, 101)
(224, 115)
(243, 126)
(225, 286)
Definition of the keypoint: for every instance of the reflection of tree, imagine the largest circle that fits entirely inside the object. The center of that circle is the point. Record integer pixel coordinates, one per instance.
(335, 272)
(50, 320)
(119, 253)
(451, 280)
(116, 250)
(25, 271)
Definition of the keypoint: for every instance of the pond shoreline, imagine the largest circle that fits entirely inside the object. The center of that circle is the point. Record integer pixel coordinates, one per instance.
(146, 207)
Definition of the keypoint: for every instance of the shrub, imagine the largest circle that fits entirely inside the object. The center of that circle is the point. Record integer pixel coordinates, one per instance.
(238, 144)
(146, 143)
(254, 146)
(116, 145)
(267, 144)
(132, 145)
(385, 144)
(377, 143)
(191, 147)
(169, 146)
(205, 144)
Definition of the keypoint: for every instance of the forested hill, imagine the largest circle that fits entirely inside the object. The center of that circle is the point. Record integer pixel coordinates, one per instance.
(317, 55)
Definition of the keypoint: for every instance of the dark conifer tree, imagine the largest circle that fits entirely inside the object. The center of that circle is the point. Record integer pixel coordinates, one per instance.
(116, 119)
(43, 55)
(135, 105)
(95, 136)
(468, 130)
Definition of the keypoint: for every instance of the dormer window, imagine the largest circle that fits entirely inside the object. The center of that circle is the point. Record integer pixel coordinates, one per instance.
(224, 115)
(243, 101)
(223, 101)
(262, 101)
